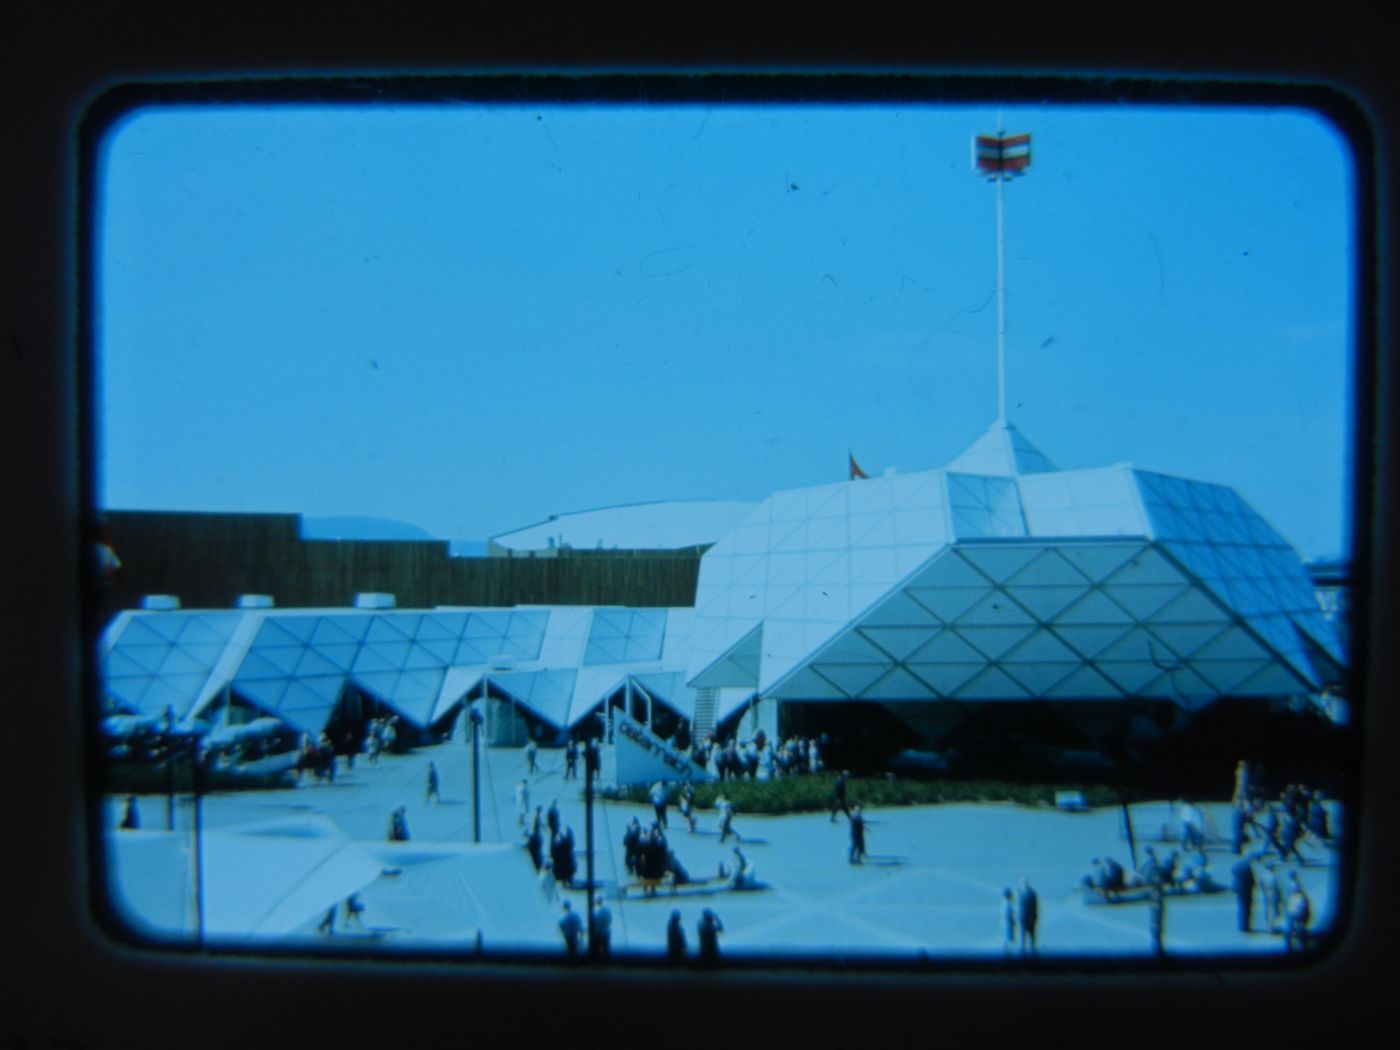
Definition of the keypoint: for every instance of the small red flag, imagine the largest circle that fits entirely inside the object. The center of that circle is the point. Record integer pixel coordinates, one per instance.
(856, 472)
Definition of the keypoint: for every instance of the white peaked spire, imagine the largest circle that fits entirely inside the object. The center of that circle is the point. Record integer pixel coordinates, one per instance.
(1002, 451)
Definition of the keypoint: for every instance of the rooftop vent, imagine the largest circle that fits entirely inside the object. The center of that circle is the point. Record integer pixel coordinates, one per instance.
(160, 602)
(374, 600)
(255, 601)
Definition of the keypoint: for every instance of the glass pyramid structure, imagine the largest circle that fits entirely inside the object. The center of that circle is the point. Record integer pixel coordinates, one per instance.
(1001, 577)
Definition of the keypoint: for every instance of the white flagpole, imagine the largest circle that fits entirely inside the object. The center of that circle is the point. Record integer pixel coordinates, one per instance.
(1001, 306)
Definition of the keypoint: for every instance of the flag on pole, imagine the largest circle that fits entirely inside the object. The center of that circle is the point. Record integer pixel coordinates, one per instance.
(856, 472)
(1001, 156)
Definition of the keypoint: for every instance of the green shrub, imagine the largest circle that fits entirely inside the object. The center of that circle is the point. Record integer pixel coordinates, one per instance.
(813, 794)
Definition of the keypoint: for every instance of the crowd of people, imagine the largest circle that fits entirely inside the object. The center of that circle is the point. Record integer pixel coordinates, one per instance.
(759, 758)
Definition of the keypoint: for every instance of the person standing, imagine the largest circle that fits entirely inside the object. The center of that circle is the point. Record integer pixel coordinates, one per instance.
(522, 801)
(601, 944)
(1027, 914)
(1299, 914)
(131, 816)
(675, 939)
(709, 930)
(571, 926)
(571, 761)
(857, 853)
(1008, 921)
(532, 751)
(434, 783)
(1271, 896)
(1157, 916)
(1242, 882)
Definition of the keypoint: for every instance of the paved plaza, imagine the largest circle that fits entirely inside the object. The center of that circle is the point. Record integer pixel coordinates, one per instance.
(932, 885)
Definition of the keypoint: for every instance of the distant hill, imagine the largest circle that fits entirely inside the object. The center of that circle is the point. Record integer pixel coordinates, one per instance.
(361, 528)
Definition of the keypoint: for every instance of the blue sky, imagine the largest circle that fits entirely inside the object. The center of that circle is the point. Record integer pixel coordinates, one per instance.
(472, 317)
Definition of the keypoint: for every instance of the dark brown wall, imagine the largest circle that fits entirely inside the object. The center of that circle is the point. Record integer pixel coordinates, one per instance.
(208, 560)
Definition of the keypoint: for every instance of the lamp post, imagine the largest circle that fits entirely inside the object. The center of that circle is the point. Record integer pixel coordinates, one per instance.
(474, 714)
(590, 767)
(196, 778)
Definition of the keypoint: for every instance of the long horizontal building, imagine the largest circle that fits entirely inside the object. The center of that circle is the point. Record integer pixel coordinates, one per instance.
(996, 580)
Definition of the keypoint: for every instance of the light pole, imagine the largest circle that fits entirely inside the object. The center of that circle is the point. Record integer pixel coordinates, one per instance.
(474, 714)
(590, 767)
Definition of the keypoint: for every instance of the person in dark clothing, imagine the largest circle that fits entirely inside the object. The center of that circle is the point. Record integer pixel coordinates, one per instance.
(601, 944)
(434, 783)
(857, 853)
(838, 795)
(1112, 875)
(571, 926)
(709, 930)
(552, 818)
(398, 825)
(131, 817)
(631, 845)
(1317, 818)
(675, 939)
(561, 852)
(571, 761)
(1242, 882)
(1238, 819)
(535, 844)
(327, 925)
(1157, 916)
(354, 910)
(1027, 913)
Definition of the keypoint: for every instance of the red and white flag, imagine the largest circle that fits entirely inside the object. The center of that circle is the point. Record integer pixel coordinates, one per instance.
(1001, 156)
(856, 472)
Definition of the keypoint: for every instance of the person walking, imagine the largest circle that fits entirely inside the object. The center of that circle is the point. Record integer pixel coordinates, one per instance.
(709, 929)
(1027, 914)
(675, 939)
(857, 851)
(838, 795)
(522, 801)
(659, 798)
(434, 783)
(354, 911)
(1242, 882)
(532, 752)
(726, 819)
(686, 804)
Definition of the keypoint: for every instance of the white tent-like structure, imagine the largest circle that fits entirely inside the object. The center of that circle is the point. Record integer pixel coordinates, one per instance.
(559, 664)
(1001, 577)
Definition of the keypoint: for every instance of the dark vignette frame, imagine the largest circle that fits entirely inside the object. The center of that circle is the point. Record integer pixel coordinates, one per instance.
(718, 89)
